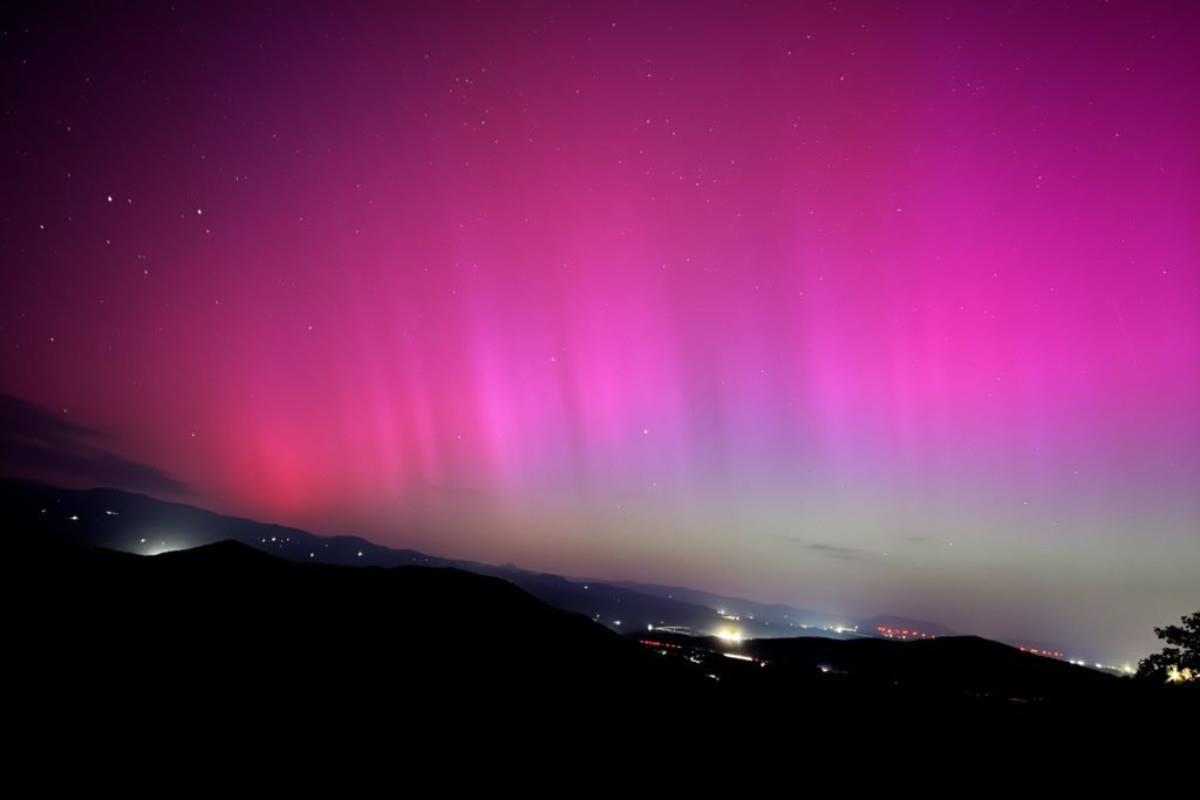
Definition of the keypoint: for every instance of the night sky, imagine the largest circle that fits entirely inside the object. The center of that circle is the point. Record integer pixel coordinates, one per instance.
(864, 307)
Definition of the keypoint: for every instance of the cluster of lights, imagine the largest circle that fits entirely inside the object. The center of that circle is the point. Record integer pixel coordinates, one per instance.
(680, 629)
(903, 633)
(1185, 675)
(1126, 668)
(731, 635)
(160, 548)
(1040, 652)
(660, 645)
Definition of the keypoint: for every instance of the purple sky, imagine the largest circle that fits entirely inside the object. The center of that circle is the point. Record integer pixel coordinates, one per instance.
(866, 307)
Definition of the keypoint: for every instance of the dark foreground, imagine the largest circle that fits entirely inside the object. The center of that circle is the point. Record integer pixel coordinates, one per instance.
(227, 641)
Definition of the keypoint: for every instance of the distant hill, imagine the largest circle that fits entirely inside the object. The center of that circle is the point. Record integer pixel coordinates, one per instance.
(134, 523)
(226, 637)
(964, 678)
(96, 634)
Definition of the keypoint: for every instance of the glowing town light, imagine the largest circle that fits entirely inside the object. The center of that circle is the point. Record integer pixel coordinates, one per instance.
(1177, 675)
(731, 635)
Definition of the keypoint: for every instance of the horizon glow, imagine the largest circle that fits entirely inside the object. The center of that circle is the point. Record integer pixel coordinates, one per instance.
(859, 308)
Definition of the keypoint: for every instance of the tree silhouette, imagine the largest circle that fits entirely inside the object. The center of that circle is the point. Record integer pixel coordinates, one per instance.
(1179, 661)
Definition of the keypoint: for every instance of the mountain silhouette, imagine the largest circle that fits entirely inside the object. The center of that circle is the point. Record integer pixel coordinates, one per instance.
(208, 631)
(134, 523)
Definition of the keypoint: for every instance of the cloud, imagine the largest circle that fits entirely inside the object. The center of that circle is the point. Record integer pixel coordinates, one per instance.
(36, 441)
(831, 550)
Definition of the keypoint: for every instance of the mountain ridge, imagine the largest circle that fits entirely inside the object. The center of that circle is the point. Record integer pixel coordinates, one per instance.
(147, 525)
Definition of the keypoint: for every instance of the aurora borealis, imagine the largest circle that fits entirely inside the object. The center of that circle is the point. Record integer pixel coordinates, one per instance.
(858, 306)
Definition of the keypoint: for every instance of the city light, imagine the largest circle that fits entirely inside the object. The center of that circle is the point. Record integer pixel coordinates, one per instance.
(1037, 651)
(902, 633)
(731, 635)
(1177, 675)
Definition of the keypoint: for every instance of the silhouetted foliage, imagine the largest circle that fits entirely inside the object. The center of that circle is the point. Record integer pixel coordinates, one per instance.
(1180, 659)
